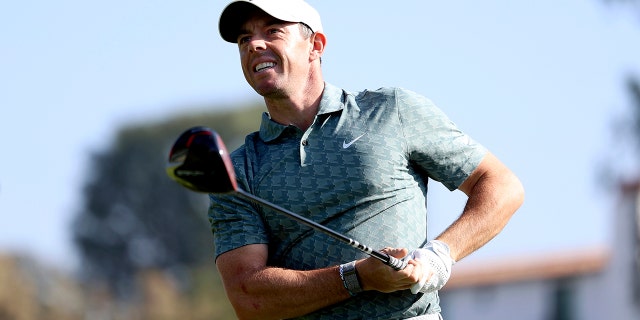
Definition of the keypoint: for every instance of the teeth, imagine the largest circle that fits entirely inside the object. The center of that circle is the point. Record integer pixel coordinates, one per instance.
(264, 65)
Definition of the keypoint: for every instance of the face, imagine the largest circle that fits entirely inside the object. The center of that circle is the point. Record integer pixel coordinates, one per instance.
(275, 56)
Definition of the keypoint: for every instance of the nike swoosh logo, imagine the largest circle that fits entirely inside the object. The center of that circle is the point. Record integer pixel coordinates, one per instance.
(347, 145)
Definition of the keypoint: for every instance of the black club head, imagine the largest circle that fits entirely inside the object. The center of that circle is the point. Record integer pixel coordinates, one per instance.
(200, 161)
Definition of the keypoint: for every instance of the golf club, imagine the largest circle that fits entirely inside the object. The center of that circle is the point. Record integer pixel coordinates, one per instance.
(200, 162)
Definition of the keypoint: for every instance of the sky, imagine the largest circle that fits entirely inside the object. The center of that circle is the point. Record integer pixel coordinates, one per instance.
(537, 82)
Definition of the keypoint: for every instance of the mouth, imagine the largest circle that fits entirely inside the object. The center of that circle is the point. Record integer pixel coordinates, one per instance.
(264, 66)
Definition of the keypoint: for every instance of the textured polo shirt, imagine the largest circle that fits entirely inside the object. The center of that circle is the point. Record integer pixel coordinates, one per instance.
(360, 169)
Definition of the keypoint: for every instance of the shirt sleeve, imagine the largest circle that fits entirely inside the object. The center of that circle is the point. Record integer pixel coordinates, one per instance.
(234, 223)
(435, 143)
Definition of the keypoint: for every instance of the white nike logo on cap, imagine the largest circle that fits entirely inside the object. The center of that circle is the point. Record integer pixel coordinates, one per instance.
(347, 145)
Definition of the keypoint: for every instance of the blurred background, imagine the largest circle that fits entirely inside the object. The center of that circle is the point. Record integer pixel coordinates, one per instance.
(93, 94)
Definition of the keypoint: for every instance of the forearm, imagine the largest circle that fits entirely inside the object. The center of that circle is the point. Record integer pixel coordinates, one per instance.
(275, 293)
(258, 291)
(493, 199)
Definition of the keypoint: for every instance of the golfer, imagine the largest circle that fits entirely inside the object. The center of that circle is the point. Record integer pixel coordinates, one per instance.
(357, 162)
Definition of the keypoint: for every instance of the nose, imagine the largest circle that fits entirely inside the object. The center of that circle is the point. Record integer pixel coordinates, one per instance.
(257, 44)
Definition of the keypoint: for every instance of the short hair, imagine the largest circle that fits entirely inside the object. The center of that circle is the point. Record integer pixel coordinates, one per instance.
(305, 30)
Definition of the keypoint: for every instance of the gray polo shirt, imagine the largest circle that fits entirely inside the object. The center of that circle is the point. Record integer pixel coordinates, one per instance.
(360, 169)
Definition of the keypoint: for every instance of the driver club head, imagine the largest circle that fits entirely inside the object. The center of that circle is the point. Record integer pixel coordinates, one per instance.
(200, 161)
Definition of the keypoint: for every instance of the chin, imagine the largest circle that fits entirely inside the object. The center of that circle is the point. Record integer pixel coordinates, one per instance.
(269, 91)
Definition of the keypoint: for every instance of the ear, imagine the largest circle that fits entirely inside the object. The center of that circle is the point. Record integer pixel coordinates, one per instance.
(318, 41)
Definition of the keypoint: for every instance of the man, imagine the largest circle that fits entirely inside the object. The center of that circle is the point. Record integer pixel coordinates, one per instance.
(357, 162)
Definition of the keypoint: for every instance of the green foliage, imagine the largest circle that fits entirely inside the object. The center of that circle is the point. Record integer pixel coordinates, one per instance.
(134, 217)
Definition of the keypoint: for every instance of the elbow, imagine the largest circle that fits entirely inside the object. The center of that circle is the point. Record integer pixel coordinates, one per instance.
(246, 308)
(516, 194)
(519, 191)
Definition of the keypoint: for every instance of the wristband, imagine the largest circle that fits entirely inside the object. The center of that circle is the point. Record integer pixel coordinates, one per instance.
(349, 277)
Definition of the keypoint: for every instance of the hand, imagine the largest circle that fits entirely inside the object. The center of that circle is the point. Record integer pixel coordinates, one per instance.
(375, 275)
(434, 256)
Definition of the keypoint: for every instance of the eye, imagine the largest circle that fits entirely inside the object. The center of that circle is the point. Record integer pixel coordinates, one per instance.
(243, 39)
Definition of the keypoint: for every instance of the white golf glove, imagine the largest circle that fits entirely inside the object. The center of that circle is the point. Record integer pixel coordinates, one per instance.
(436, 256)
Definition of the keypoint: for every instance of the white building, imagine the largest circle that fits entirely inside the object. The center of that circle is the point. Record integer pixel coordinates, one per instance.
(588, 284)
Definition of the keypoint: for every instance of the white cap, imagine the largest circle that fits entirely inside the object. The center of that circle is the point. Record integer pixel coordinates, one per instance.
(234, 15)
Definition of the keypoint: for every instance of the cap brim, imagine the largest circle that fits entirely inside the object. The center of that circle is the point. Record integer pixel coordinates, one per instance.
(232, 18)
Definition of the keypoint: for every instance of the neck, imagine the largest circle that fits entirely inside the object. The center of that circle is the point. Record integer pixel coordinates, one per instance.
(297, 109)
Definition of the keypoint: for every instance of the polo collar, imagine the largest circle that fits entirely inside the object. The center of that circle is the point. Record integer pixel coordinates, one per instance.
(332, 100)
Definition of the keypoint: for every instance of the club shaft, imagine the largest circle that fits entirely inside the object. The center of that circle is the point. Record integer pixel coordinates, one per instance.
(393, 262)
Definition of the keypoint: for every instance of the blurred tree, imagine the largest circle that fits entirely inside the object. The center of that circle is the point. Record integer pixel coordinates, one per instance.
(134, 217)
(633, 122)
(622, 160)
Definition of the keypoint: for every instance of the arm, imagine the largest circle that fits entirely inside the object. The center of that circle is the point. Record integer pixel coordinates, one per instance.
(257, 291)
(260, 292)
(495, 193)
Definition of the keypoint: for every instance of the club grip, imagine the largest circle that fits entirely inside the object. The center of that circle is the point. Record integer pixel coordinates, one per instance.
(397, 264)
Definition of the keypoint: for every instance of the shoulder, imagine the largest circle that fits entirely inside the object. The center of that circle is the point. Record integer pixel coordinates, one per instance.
(383, 91)
(245, 152)
(389, 94)
(250, 140)
(396, 99)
